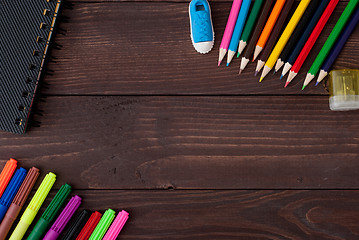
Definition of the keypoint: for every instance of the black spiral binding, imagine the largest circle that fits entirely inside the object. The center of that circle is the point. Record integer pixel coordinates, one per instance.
(27, 28)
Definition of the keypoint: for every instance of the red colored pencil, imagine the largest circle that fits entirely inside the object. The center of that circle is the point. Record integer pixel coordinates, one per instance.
(311, 40)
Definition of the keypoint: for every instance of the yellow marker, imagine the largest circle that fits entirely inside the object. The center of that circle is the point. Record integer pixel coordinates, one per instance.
(34, 206)
(285, 37)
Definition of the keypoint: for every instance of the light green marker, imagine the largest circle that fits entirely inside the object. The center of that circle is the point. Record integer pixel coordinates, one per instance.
(103, 225)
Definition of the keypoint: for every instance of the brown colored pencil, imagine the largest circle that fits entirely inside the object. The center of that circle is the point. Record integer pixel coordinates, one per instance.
(256, 33)
(274, 36)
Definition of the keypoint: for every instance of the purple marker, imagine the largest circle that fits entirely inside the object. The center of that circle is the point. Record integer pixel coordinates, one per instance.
(63, 219)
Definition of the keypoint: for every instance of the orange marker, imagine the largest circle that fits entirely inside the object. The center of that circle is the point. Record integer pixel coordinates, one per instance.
(6, 174)
(268, 27)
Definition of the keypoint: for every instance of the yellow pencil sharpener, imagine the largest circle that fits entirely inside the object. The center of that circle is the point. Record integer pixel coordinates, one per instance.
(344, 90)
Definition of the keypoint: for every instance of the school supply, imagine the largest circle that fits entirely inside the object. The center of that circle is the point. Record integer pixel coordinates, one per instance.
(229, 29)
(328, 45)
(237, 32)
(11, 191)
(293, 40)
(311, 41)
(338, 46)
(63, 219)
(273, 36)
(201, 27)
(50, 213)
(116, 226)
(103, 225)
(248, 53)
(284, 38)
(79, 223)
(18, 202)
(304, 37)
(27, 32)
(6, 174)
(344, 90)
(89, 226)
(268, 27)
(34, 206)
(249, 25)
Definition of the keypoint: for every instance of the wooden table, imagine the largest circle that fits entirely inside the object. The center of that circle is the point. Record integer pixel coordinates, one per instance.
(135, 119)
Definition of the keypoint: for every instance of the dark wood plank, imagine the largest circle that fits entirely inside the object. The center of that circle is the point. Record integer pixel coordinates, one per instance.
(192, 142)
(249, 215)
(145, 48)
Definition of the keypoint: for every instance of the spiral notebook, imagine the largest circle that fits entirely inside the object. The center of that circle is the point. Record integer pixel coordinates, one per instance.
(27, 28)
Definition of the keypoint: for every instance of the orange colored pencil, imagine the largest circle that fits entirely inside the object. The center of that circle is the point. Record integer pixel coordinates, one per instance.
(6, 174)
(268, 27)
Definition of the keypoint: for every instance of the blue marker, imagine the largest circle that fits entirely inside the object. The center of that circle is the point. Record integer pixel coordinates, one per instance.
(303, 39)
(237, 32)
(11, 191)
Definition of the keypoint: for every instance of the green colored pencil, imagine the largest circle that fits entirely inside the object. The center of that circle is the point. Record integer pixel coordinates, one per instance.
(328, 45)
(249, 25)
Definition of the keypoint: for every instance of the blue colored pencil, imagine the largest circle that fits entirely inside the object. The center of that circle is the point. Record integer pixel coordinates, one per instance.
(237, 32)
(11, 191)
(338, 46)
(303, 39)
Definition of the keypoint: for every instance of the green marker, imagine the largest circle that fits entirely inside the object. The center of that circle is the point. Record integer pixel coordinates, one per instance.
(103, 225)
(328, 45)
(249, 26)
(50, 213)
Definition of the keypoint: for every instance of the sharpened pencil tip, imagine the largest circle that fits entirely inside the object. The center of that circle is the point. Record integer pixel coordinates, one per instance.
(281, 76)
(219, 63)
(274, 72)
(240, 71)
(227, 64)
(256, 73)
(286, 84)
(316, 84)
(303, 87)
(261, 79)
(238, 54)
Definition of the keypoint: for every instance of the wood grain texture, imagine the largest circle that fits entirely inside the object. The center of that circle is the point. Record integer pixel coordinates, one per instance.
(144, 48)
(225, 215)
(193, 142)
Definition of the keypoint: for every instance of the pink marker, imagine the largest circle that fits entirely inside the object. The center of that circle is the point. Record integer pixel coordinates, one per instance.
(116, 226)
(232, 19)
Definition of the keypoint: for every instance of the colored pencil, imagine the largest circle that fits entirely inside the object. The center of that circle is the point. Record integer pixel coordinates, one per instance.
(284, 38)
(268, 27)
(257, 31)
(328, 45)
(229, 29)
(338, 46)
(304, 37)
(247, 31)
(311, 40)
(6, 174)
(307, 16)
(274, 36)
(237, 32)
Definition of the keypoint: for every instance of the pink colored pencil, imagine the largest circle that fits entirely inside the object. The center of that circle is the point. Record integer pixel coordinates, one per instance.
(226, 39)
(311, 40)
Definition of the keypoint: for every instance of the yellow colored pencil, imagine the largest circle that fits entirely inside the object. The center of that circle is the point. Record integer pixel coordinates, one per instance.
(284, 37)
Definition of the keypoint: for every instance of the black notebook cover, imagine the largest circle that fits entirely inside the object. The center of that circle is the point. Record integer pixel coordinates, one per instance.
(26, 31)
